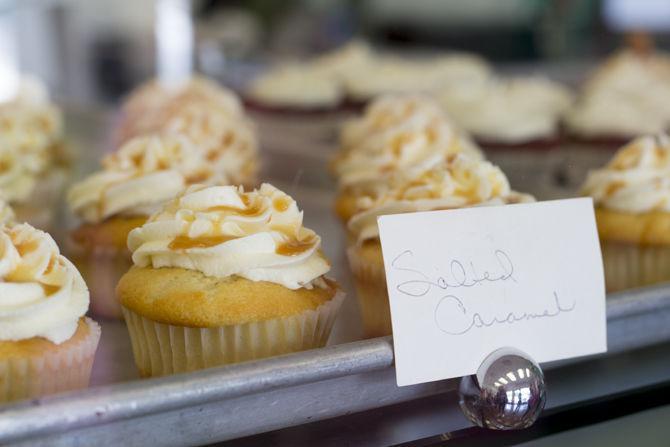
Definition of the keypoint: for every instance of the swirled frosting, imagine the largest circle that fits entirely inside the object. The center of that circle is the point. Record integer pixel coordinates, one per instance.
(41, 293)
(628, 96)
(29, 126)
(223, 231)
(458, 182)
(298, 85)
(139, 177)
(397, 132)
(227, 141)
(636, 180)
(512, 111)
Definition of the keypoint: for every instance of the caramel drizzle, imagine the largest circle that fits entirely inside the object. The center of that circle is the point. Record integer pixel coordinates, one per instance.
(184, 242)
(294, 247)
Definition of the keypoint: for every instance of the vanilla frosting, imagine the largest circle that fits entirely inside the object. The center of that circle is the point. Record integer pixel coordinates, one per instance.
(139, 177)
(391, 74)
(297, 85)
(227, 141)
(628, 96)
(458, 182)
(636, 180)
(397, 132)
(349, 58)
(223, 231)
(511, 111)
(41, 293)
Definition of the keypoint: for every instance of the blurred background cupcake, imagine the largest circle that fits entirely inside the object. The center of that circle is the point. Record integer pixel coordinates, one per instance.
(33, 154)
(508, 112)
(627, 96)
(632, 199)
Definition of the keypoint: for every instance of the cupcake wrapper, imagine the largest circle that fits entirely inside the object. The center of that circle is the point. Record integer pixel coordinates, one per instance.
(373, 299)
(632, 265)
(102, 269)
(162, 349)
(54, 372)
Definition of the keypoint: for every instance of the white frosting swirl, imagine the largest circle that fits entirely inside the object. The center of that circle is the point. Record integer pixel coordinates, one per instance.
(511, 111)
(139, 177)
(222, 231)
(628, 96)
(41, 293)
(458, 182)
(636, 180)
(398, 132)
(296, 85)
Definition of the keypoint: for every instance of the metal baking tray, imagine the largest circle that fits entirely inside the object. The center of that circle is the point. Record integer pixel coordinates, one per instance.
(244, 399)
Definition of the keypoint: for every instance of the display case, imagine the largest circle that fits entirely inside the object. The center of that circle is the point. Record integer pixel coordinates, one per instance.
(325, 396)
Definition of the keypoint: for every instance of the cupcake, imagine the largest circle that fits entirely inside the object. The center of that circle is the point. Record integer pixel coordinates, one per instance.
(458, 182)
(221, 276)
(628, 96)
(632, 201)
(31, 142)
(396, 133)
(134, 182)
(47, 345)
(516, 112)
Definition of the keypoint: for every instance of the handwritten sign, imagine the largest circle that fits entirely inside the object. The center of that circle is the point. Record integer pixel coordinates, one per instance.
(463, 283)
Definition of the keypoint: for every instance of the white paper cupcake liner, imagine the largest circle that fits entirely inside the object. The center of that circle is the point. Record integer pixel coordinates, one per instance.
(632, 265)
(373, 298)
(63, 369)
(162, 349)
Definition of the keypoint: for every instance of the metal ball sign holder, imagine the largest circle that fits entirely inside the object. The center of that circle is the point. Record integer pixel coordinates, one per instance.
(507, 392)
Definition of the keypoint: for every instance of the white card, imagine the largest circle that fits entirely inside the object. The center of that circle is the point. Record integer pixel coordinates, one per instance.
(463, 283)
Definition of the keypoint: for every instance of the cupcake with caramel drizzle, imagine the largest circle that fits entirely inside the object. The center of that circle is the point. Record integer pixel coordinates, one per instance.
(632, 199)
(458, 182)
(232, 270)
(396, 133)
(134, 182)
